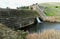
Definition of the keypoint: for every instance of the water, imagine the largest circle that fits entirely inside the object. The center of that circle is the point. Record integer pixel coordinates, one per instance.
(38, 20)
(42, 26)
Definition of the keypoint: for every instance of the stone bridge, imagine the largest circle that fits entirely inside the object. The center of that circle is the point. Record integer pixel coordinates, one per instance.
(20, 18)
(40, 11)
(42, 15)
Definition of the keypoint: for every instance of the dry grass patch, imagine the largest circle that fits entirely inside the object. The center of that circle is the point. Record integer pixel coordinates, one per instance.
(46, 34)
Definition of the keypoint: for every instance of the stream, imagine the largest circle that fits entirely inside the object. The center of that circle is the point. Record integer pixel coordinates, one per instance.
(39, 27)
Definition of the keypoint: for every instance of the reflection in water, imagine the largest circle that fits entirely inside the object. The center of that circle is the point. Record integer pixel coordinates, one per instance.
(43, 26)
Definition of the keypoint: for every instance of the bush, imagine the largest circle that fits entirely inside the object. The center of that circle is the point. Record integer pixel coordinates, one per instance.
(7, 33)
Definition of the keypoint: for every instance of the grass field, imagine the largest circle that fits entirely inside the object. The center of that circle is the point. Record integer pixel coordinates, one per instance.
(52, 9)
(24, 13)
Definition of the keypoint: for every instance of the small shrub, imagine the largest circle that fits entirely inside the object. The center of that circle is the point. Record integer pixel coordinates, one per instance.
(7, 33)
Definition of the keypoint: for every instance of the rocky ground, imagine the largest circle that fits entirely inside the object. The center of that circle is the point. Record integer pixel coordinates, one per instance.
(47, 34)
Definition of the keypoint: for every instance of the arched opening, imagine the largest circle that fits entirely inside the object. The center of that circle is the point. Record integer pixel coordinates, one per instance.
(38, 20)
(56, 6)
(31, 8)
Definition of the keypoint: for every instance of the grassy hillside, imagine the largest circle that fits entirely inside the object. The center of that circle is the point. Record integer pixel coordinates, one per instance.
(17, 18)
(17, 13)
(51, 9)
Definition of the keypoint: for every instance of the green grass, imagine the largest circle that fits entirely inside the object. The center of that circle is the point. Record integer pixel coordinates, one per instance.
(23, 13)
(29, 13)
(52, 9)
(8, 33)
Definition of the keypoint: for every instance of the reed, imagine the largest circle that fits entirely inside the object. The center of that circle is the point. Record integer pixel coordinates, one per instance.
(46, 34)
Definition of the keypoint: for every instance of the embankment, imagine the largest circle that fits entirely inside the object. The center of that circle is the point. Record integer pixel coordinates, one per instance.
(17, 18)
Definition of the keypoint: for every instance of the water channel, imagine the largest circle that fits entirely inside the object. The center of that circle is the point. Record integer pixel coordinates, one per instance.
(39, 27)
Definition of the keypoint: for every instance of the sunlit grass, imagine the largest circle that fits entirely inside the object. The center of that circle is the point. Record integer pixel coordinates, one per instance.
(47, 34)
(52, 9)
